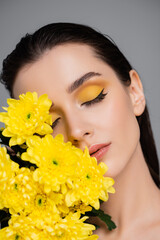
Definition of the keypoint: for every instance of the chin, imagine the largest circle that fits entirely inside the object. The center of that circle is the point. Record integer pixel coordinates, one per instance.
(115, 169)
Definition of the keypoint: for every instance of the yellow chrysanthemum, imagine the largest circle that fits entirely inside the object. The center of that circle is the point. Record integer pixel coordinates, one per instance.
(55, 159)
(23, 228)
(80, 207)
(73, 227)
(22, 194)
(26, 116)
(90, 185)
(8, 169)
(48, 228)
(18, 190)
(57, 162)
(7, 166)
(47, 202)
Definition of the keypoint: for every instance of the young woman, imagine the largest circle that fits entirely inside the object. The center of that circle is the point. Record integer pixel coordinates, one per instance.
(98, 102)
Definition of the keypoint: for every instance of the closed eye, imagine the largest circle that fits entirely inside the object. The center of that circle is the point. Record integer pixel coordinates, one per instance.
(99, 98)
(55, 123)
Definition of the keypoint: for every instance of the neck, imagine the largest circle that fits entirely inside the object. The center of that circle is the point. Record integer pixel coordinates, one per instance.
(132, 198)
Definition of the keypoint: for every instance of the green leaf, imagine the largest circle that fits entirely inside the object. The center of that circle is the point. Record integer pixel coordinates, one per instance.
(104, 217)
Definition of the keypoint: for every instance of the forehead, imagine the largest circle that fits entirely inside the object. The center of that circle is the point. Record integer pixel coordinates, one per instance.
(58, 68)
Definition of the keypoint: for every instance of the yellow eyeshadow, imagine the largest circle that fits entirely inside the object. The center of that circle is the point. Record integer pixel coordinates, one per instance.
(89, 93)
(54, 116)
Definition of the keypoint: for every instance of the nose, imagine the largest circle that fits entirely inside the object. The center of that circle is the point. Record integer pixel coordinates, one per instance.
(79, 131)
(79, 137)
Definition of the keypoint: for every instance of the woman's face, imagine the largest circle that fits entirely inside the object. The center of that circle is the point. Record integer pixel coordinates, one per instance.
(90, 105)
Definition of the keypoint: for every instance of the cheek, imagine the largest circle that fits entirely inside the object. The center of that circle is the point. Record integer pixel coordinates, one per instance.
(61, 129)
(124, 121)
(117, 113)
(113, 115)
(122, 129)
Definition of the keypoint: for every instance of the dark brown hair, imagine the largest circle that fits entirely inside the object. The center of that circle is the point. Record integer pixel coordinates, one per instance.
(32, 47)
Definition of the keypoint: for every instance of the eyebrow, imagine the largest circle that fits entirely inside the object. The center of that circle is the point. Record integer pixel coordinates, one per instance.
(81, 80)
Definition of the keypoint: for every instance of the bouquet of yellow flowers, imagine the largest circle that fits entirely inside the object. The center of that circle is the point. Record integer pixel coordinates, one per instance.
(48, 187)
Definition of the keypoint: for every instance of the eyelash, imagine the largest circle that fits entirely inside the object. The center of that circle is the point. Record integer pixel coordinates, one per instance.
(99, 98)
(55, 123)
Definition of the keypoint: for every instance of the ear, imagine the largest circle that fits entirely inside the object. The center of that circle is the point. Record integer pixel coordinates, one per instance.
(136, 93)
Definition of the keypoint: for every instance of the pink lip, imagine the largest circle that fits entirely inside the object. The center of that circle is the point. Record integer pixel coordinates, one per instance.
(99, 150)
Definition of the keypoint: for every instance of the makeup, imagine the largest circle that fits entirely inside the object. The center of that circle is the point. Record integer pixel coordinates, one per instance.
(99, 150)
(88, 93)
(55, 118)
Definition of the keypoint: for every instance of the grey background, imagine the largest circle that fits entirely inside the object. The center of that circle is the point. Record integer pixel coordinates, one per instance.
(133, 24)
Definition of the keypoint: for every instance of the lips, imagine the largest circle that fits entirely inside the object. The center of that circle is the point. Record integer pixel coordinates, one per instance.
(98, 150)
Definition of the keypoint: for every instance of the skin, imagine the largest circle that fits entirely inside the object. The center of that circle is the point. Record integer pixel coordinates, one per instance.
(135, 205)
